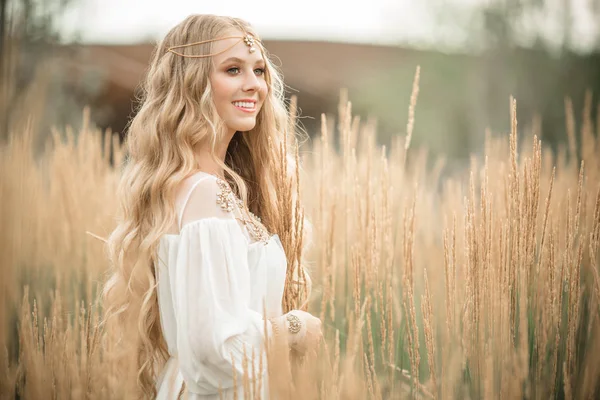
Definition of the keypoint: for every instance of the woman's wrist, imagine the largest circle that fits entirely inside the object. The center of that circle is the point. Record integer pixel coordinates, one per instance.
(291, 325)
(295, 327)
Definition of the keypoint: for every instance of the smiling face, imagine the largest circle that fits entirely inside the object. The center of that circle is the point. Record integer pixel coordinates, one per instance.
(238, 83)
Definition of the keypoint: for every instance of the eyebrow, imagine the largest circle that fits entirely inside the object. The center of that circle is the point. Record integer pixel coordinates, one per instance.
(240, 61)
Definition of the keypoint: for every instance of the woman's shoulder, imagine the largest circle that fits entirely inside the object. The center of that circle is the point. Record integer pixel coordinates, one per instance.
(197, 177)
(198, 181)
(202, 195)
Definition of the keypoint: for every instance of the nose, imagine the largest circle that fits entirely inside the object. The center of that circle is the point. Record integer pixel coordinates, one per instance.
(251, 83)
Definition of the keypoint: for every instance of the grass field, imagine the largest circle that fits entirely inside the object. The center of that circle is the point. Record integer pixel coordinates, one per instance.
(466, 284)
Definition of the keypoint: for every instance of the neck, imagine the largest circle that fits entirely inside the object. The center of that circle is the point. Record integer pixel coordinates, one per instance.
(204, 160)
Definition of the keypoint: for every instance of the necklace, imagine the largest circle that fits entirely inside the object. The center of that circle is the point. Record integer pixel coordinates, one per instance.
(228, 200)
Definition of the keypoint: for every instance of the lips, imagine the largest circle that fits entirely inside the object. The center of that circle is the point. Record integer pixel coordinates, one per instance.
(247, 106)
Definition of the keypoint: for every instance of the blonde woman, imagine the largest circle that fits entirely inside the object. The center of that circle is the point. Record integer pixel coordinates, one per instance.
(195, 254)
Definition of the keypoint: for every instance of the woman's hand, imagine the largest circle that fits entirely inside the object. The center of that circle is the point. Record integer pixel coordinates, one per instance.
(309, 335)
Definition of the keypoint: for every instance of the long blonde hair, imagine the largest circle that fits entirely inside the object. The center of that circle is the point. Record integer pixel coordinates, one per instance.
(176, 114)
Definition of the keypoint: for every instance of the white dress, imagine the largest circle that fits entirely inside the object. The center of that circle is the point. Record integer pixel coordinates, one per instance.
(212, 280)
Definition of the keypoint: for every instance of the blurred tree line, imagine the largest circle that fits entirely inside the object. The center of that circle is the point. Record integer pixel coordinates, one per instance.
(524, 48)
(543, 69)
(35, 89)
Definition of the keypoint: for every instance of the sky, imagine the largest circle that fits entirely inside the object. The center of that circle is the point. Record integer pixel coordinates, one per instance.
(373, 21)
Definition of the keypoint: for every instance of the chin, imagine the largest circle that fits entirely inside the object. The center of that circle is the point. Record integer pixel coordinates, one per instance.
(243, 127)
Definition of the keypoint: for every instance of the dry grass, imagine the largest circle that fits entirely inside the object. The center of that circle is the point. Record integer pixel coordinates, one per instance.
(483, 284)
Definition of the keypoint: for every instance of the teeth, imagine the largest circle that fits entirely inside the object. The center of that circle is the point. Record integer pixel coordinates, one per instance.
(244, 104)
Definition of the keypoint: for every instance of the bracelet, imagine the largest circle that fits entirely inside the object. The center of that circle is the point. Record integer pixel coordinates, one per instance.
(295, 323)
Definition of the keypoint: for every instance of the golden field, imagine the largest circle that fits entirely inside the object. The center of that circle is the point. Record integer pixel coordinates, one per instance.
(473, 283)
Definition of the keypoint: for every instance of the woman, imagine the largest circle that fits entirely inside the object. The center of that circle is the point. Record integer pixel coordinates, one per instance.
(195, 253)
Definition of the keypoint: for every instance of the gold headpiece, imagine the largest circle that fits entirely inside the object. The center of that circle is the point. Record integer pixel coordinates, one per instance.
(248, 39)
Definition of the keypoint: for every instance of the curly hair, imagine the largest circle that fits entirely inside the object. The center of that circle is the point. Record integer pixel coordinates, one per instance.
(176, 113)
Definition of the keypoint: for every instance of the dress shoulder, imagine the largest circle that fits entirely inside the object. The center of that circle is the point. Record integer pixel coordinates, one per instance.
(211, 197)
(205, 197)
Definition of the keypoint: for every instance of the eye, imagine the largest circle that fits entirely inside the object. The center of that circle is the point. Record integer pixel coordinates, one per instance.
(259, 71)
(233, 71)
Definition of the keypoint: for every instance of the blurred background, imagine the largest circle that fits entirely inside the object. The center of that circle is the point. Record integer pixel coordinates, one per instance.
(58, 56)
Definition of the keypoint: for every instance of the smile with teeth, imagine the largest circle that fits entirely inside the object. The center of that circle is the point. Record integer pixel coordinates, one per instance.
(245, 105)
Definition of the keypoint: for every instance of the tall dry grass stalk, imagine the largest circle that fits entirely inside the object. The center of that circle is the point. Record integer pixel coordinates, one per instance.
(480, 284)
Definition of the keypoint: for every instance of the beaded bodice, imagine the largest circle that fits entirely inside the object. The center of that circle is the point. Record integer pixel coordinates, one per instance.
(227, 199)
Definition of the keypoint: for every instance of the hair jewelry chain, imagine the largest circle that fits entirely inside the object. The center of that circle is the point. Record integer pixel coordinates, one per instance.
(248, 39)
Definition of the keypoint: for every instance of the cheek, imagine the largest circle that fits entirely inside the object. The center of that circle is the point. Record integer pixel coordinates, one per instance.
(221, 89)
(264, 90)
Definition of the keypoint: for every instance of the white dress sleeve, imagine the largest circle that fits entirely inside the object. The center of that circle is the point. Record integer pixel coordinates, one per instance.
(210, 282)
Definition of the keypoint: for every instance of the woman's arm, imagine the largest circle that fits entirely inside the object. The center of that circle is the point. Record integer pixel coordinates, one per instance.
(210, 283)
